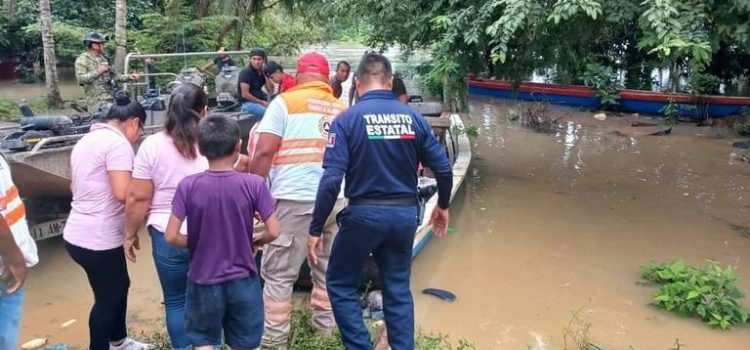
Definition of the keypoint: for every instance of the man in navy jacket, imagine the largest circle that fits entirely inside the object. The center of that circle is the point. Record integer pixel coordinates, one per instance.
(376, 145)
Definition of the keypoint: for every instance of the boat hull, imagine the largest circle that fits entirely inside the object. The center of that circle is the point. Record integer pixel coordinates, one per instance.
(643, 102)
(459, 152)
(46, 173)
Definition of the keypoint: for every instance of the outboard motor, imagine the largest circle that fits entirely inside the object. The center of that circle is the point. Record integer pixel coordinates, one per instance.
(56, 123)
(193, 76)
(25, 110)
(226, 87)
(35, 128)
(153, 101)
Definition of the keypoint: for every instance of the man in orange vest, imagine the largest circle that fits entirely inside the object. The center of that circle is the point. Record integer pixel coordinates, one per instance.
(17, 252)
(293, 138)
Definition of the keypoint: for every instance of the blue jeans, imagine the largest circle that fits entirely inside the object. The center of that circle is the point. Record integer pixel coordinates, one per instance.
(235, 306)
(172, 267)
(255, 109)
(386, 231)
(10, 317)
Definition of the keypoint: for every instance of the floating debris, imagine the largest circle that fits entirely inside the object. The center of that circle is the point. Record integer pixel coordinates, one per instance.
(34, 344)
(637, 124)
(738, 157)
(661, 132)
(742, 144)
(68, 323)
(440, 293)
(513, 115)
(536, 116)
(600, 116)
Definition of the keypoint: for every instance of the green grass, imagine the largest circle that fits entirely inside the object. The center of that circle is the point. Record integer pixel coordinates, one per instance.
(303, 337)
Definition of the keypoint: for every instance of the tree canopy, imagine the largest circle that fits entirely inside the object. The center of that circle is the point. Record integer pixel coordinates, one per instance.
(699, 43)
(159, 26)
(513, 38)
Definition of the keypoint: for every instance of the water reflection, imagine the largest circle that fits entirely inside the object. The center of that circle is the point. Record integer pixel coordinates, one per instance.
(549, 224)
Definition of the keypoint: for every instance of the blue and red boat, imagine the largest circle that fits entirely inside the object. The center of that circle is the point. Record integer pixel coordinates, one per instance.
(637, 101)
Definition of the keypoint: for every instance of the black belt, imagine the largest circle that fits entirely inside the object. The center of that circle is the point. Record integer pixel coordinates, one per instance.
(394, 201)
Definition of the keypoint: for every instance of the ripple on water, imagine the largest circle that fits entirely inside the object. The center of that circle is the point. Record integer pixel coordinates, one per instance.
(551, 224)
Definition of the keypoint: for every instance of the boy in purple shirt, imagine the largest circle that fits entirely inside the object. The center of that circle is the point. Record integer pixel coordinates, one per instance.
(223, 292)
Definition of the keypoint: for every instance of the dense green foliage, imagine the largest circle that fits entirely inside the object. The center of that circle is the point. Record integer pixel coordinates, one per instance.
(742, 125)
(709, 293)
(697, 44)
(156, 26)
(511, 39)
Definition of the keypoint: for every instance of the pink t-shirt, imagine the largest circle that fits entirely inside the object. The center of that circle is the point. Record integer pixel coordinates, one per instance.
(96, 217)
(159, 160)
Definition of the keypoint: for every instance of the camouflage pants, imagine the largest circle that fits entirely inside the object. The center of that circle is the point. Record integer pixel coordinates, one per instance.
(93, 105)
(280, 267)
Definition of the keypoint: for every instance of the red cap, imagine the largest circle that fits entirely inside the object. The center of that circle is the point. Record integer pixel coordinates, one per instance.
(313, 62)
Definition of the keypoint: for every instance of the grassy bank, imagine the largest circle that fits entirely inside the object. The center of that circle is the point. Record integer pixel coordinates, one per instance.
(304, 338)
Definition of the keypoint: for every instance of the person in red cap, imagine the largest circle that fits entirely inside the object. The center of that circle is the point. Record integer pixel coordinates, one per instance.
(275, 72)
(293, 138)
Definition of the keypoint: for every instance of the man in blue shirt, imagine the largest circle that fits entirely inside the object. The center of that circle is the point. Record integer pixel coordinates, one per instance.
(377, 145)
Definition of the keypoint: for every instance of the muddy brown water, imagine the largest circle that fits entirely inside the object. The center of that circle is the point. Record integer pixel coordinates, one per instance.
(548, 225)
(545, 226)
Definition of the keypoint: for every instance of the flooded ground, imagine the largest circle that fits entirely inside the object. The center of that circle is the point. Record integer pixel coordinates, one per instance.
(69, 90)
(57, 291)
(548, 225)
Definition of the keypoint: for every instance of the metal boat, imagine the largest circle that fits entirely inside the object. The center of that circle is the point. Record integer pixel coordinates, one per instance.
(38, 148)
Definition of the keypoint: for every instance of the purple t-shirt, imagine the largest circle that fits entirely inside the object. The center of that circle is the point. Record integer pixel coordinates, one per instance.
(219, 208)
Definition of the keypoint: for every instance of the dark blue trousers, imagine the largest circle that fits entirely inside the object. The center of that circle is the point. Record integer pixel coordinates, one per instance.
(386, 231)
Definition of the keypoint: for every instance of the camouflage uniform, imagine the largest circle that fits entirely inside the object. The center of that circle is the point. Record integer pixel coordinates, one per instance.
(96, 87)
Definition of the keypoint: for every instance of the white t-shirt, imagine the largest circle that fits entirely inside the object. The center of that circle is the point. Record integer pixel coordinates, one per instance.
(302, 118)
(14, 213)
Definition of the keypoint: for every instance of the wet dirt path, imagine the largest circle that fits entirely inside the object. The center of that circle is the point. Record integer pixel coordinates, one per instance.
(548, 225)
(57, 291)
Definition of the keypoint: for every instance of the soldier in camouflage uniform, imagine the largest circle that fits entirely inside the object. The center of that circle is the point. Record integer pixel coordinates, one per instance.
(94, 73)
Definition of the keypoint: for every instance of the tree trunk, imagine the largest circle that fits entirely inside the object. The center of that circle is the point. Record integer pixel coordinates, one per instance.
(202, 8)
(50, 58)
(245, 10)
(9, 6)
(121, 36)
(674, 77)
(224, 31)
(239, 30)
(455, 98)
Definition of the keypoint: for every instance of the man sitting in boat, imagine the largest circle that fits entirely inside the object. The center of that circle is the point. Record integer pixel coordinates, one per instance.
(251, 83)
(275, 72)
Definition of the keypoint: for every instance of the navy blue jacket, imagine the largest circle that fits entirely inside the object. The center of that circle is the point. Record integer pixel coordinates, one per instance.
(377, 144)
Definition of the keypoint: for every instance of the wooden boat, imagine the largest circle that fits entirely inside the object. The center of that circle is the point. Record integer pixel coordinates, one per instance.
(637, 101)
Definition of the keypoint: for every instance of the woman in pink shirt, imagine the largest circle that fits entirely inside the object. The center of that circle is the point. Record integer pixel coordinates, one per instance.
(101, 166)
(163, 160)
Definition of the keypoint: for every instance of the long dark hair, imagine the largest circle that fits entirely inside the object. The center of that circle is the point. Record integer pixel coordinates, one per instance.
(185, 107)
(124, 109)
